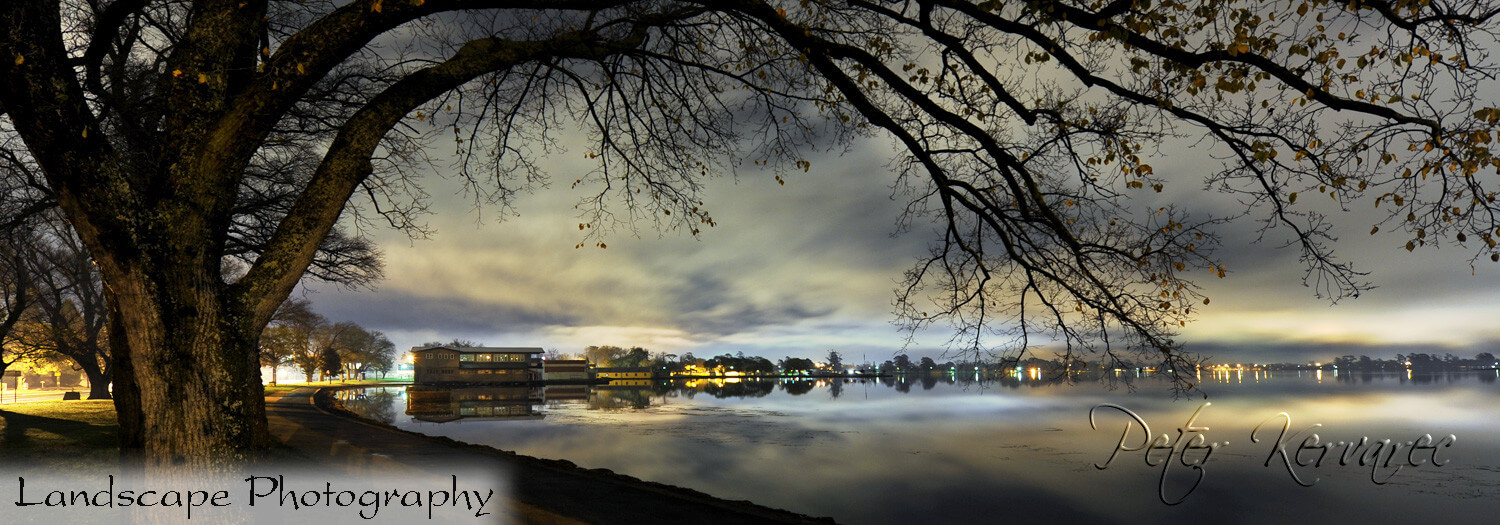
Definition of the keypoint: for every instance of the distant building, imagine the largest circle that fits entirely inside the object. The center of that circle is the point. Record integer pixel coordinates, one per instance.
(566, 370)
(624, 372)
(626, 375)
(444, 364)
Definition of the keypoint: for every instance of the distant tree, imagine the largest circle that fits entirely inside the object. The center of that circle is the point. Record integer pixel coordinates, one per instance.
(927, 364)
(835, 361)
(301, 331)
(279, 345)
(308, 363)
(636, 356)
(358, 348)
(903, 363)
(17, 281)
(794, 365)
(70, 307)
(454, 343)
(329, 363)
(604, 355)
(759, 365)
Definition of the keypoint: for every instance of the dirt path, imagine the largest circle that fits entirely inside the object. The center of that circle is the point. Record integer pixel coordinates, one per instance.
(545, 491)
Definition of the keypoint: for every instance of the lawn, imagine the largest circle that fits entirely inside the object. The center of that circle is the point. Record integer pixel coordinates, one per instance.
(63, 434)
(79, 434)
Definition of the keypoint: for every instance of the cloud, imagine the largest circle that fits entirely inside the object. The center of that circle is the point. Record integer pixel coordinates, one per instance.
(811, 265)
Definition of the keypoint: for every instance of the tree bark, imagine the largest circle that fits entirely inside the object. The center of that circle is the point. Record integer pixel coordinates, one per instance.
(187, 372)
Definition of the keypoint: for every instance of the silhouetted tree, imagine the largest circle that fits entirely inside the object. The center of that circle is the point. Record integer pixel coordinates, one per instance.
(329, 362)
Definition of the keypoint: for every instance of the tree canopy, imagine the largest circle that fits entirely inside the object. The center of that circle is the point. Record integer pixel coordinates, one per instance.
(179, 135)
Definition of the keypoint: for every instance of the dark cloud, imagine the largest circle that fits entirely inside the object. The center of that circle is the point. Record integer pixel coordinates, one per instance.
(401, 311)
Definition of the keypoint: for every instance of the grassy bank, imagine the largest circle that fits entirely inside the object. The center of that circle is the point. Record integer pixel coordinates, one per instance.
(80, 434)
(59, 434)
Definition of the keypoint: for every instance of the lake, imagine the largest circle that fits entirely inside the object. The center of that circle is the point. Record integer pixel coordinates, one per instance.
(940, 448)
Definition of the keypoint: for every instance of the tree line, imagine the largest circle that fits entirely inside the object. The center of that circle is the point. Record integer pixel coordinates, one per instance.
(1418, 361)
(55, 316)
(54, 311)
(300, 337)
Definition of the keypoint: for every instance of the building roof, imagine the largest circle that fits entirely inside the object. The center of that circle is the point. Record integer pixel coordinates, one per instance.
(484, 349)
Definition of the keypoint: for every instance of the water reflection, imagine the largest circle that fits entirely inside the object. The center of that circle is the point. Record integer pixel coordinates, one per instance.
(436, 404)
(906, 449)
(444, 405)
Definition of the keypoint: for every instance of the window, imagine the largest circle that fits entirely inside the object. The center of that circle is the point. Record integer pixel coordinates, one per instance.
(466, 357)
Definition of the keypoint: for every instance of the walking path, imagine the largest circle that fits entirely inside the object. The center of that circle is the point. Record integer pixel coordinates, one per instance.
(545, 491)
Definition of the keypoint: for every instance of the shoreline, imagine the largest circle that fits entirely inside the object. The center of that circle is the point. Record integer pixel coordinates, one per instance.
(582, 480)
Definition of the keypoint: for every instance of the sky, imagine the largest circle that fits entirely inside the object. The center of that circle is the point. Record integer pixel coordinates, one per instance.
(811, 266)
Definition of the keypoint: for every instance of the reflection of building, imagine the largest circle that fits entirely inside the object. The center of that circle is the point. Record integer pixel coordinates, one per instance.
(444, 364)
(566, 370)
(442, 405)
(559, 393)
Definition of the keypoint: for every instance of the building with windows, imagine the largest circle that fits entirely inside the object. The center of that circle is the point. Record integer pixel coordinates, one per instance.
(627, 375)
(567, 370)
(444, 364)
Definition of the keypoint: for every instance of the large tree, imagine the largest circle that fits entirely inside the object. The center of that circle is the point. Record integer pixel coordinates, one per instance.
(176, 135)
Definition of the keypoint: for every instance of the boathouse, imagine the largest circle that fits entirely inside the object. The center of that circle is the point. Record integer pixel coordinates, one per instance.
(447, 364)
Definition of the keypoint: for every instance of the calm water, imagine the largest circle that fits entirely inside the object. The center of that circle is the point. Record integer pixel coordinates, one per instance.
(944, 450)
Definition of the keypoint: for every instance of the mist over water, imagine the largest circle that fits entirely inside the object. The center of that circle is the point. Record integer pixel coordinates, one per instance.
(939, 447)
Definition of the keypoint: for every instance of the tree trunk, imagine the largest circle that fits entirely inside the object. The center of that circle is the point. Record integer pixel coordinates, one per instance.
(99, 378)
(193, 369)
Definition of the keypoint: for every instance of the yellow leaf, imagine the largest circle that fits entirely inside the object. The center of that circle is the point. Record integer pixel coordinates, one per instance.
(20, 60)
(176, 73)
(375, 6)
(1292, 198)
(202, 78)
